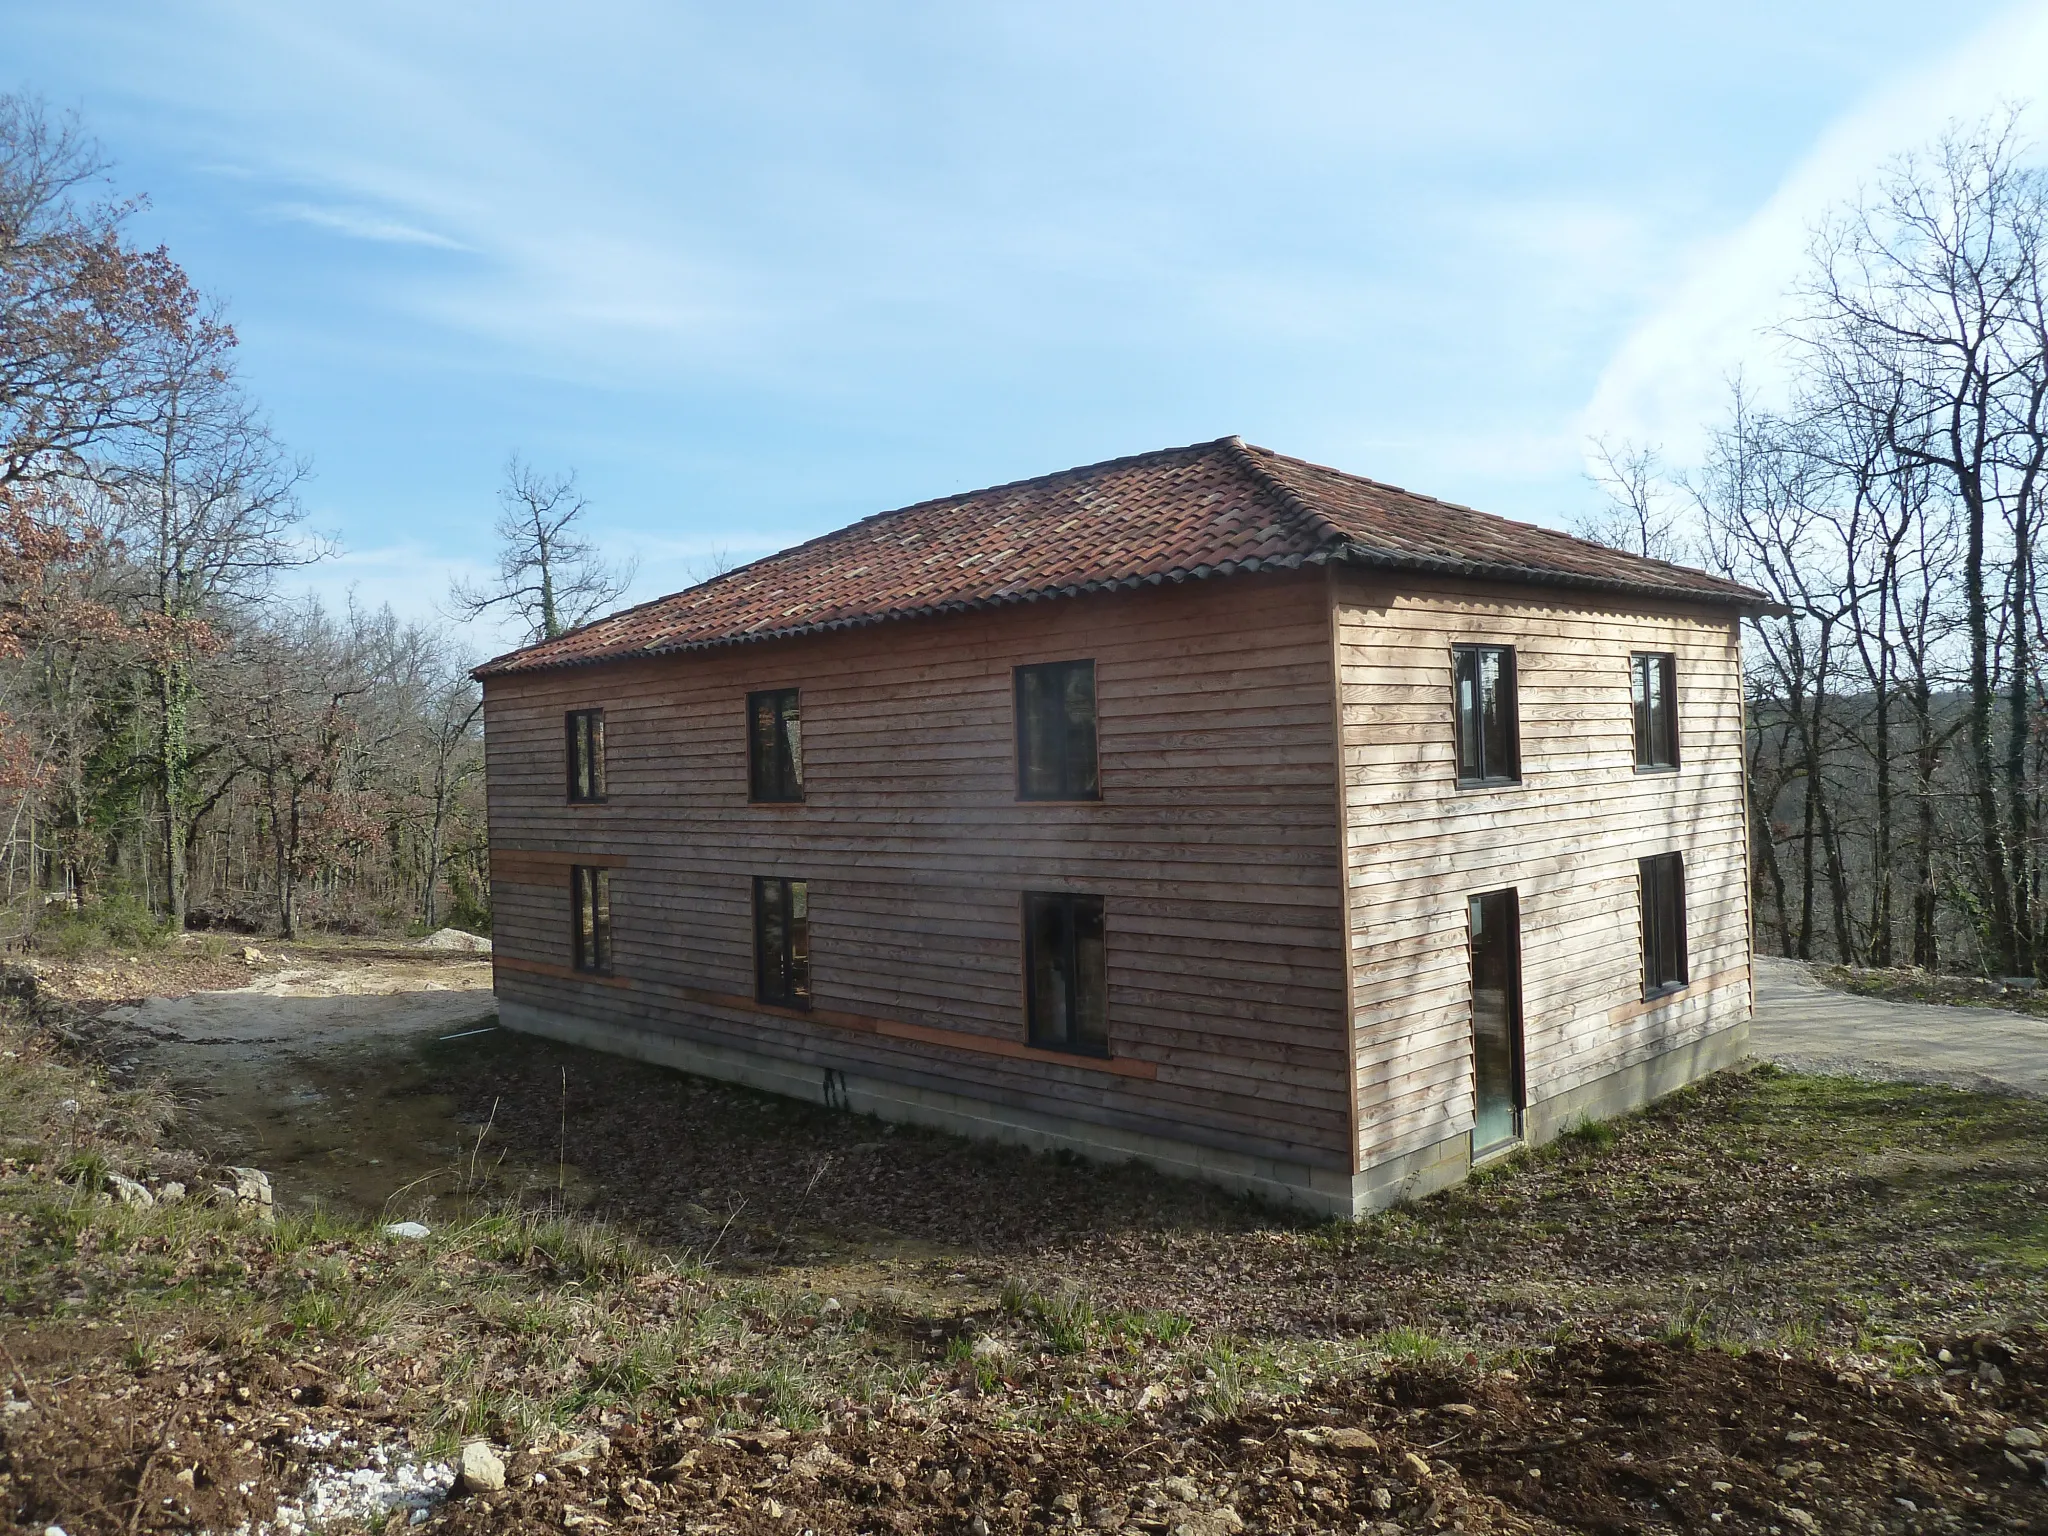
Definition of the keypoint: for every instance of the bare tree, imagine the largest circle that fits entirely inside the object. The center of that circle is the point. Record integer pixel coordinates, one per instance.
(549, 573)
(1926, 318)
(207, 514)
(1641, 513)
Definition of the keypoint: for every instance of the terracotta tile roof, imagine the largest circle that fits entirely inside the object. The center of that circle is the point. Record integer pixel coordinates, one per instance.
(1213, 509)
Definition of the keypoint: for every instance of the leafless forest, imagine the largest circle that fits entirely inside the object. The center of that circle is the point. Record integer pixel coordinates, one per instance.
(1891, 500)
(184, 744)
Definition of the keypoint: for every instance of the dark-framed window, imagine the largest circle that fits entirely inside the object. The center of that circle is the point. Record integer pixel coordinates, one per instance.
(782, 941)
(584, 729)
(775, 747)
(1488, 727)
(1056, 732)
(1663, 882)
(1496, 935)
(590, 919)
(1653, 688)
(1066, 982)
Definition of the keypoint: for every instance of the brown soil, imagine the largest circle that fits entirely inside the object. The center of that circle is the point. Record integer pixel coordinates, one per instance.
(204, 1452)
(1725, 1315)
(1755, 1202)
(1604, 1436)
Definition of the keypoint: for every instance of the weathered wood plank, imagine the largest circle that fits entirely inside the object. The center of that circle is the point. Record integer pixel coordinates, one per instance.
(1566, 839)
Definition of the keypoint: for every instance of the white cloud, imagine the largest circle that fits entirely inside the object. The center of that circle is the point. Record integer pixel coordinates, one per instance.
(1669, 379)
(359, 224)
(413, 580)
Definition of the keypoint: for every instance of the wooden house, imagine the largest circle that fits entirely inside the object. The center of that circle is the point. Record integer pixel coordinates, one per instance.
(1208, 807)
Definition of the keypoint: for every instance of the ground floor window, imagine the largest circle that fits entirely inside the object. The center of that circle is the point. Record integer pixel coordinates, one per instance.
(1496, 1021)
(1663, 882)
(1066, 980)
(590, 927)
(782, 942)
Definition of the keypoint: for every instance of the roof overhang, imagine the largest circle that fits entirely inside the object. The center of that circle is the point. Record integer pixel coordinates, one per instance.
(1747, 602)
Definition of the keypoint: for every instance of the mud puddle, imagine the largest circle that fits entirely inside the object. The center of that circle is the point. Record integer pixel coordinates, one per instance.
(324, 1077)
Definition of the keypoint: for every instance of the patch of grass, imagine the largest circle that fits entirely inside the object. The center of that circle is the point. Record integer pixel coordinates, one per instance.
(118, 922)
(1590, 1136)
(87, 1170)
(296, 1231)
(1230, 1371)
(574, 1248)
(1165, 1328)
(1066, 1318)
(316, 1311)
(1412, 1344)
(1691, 1323)
(1912, 985)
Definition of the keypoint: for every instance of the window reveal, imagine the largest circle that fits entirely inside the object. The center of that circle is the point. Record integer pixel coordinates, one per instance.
(1488, 730)
(1056, 732)
(1066, 980)
(782, 942)
(590, 928)
(775, 750)
(1663, 882)
(585, 731)
(1653, 684)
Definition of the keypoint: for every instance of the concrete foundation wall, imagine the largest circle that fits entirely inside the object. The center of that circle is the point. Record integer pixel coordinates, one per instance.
(1408, 1176)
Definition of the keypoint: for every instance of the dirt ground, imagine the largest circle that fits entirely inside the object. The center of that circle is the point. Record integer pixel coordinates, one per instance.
(1768, 1204)
(1604, 1436)
(303, 1060)
(1772, 1304)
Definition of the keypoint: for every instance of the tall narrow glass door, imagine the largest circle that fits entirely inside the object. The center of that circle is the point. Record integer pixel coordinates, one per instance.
(1496, 1022)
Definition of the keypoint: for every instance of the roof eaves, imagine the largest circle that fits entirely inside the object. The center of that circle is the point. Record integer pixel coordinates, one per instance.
(1250, 566)
(508, 662)
(1745, 600)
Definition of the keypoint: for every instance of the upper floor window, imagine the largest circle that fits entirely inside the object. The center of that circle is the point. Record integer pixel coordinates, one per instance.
(1056, 732)
(1489, 734)
(590, 923)
(1653, 680)
(1663, 882)
(775, 747)
(782, 942)
(585, 729)
(1066, 977)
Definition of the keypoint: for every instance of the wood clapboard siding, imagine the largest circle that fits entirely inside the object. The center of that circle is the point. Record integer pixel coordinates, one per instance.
(1566, 838)
(1215, 847)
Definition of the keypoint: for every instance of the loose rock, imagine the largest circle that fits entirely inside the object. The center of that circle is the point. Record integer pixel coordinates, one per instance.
(128, 1191)
(455, 939)
(480, 1470)
(252, 1194)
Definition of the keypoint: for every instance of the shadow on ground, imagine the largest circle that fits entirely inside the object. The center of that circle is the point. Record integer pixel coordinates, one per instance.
(752, 1177)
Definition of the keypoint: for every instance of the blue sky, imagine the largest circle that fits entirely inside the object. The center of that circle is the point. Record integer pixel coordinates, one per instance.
(754, 271)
